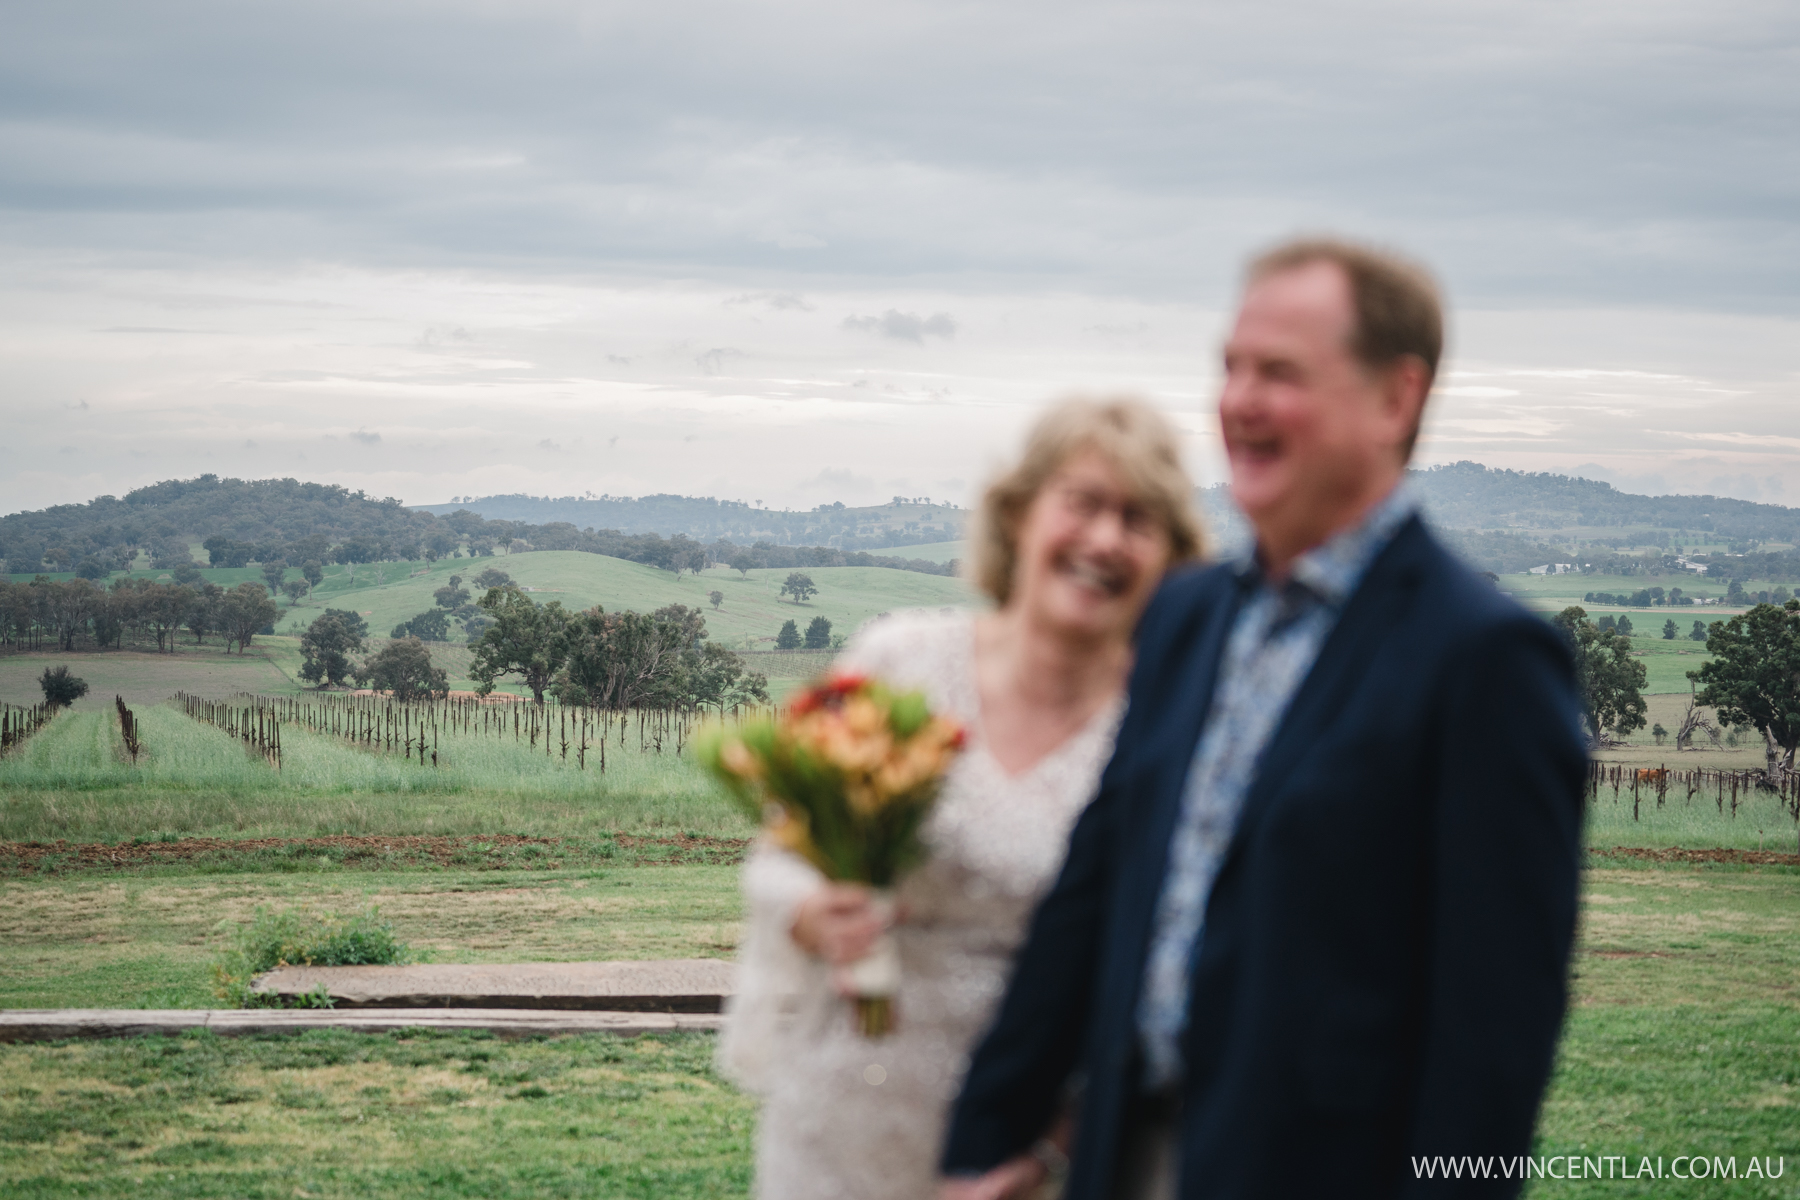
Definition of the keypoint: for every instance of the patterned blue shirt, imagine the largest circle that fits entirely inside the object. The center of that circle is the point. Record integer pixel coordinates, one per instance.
(1274, 642)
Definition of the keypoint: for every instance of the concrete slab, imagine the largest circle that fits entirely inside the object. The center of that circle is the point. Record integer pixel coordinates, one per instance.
(683, 985)
(55, 1024)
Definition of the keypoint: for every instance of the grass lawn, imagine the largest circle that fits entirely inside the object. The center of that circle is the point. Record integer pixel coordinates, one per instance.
(1684, 1038)
(142, 938)
(341, 1115)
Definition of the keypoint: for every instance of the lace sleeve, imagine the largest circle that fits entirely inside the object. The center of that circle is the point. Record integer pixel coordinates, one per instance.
(772, 972)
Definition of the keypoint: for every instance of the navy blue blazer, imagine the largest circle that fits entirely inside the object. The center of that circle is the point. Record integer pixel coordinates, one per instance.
(1382, 973)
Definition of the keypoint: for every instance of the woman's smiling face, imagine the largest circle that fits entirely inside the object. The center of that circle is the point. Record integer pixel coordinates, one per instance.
(1090, 552)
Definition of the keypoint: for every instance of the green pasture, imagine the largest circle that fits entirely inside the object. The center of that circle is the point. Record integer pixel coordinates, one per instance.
(72, 781)
(752, 608)
(388, 593)
(145, 678)
(1542, 591)
(1666, 662)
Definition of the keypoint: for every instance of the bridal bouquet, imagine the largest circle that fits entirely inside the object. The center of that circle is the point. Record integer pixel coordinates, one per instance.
(845, 779)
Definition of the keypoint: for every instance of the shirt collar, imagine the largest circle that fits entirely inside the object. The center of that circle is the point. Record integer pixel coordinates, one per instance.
(1332, 569)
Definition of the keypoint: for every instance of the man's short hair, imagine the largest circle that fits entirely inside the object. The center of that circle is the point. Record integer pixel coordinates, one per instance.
(1395, 301)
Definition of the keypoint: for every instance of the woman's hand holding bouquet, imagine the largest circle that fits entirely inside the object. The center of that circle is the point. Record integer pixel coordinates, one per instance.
(845, 779)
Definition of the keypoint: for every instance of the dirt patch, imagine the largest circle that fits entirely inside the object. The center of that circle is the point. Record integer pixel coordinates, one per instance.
(493, 851)
(1676, 854)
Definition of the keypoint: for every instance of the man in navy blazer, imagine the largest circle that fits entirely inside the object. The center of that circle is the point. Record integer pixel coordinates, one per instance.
(1313, 933)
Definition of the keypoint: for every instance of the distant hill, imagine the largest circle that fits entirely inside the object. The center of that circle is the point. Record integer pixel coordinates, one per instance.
(243, 521)
(901, 522)
(1502, 520)
(1467, 495)
(159, 520)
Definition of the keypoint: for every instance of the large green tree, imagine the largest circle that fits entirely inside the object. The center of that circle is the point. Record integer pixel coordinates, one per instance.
(718, 679)
(632, 660)
(165, 609)
(204, 611)
(452, 595)
(247, 610)
(429, 626)
(1754, 677)
(657, 659)
(818, 634)
(404, 669)
(526, 639)
(799, 585)
(61, 689)
(327, 645)
(1611, 681)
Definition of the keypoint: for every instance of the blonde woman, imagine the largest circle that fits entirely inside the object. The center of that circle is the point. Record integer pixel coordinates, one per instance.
(1071, 543)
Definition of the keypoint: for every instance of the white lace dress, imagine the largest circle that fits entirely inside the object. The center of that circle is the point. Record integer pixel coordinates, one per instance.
(844, 1117)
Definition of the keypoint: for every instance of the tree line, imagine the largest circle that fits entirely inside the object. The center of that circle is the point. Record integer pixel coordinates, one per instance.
(79, 614)
(903, 521)
(620, 660)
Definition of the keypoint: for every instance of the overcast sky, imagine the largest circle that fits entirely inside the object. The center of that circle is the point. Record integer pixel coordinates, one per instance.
(801, 252)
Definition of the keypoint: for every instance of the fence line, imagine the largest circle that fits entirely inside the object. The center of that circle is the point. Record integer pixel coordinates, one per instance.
(18, 722)
(256, 727)
(414, 728)
(128, 727)
(1723, 787)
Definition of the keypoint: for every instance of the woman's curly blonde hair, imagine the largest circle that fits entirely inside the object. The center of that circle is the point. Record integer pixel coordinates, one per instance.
(1140, 443)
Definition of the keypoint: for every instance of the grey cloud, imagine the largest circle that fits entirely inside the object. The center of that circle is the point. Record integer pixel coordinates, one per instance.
(905, 326)
(1612, 151)
(366, 437)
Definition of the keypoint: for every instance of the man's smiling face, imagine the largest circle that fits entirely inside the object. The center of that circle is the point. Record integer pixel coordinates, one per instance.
(1311, 433)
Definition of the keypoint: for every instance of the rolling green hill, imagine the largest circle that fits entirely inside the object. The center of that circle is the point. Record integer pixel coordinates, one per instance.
(389, 593)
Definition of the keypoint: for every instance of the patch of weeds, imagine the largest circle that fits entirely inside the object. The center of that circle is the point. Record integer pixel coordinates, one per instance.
(302, 938)
(534, 1092)
(446, 1095)
(289, 1096)
(231, 1095)
(194, 1153)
